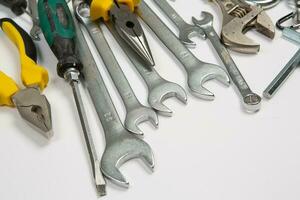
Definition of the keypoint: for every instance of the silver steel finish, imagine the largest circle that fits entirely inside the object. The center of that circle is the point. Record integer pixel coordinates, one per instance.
(35, 109)
(198, 72)
(186, 31)
(136, 112)
(72, 76)
(159, 88)
(35, 30)
(121, 145)
(290, 67)
(238, 18)
(251, 101)
(130, 29)
(265, 4)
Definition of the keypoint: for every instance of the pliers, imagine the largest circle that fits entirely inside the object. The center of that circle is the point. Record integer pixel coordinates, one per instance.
(31, 104)
(120, 13)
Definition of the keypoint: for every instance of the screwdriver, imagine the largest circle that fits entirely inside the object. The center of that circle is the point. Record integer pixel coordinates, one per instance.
(58, 28)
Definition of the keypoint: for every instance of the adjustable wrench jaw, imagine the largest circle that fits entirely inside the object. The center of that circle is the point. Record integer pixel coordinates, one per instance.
(238, 18)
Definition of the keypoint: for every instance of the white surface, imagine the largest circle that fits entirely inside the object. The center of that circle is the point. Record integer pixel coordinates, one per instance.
(207, 150)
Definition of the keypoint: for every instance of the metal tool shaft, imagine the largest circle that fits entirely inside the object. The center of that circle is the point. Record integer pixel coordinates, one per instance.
(72, 77)
(289, 68)
(121, 145)
(283, 75)
(35, 30)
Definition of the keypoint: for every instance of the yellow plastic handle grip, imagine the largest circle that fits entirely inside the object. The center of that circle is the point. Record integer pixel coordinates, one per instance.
(8, 88)
(101, 8)
(31, 72)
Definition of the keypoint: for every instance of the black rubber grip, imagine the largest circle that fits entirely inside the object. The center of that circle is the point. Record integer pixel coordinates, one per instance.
(64, 49)
(30, 48)
(16, 6)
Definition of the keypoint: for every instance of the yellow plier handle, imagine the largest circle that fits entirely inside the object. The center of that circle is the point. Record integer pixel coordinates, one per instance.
(8, 88)
(101, 8)
(32, 74)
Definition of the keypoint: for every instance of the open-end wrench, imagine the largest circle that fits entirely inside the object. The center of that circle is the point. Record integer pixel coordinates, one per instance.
(35, 30)
(159, 88)
(121, 145)
(251, 101)
(198, 71)
(136, 112)
(186, 31)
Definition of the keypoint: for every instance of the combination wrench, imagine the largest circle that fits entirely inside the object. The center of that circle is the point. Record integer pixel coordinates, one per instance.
(186, 31)
(159, 89)
(121, 145)
(198, 71)
(251, 101)
(136, 112)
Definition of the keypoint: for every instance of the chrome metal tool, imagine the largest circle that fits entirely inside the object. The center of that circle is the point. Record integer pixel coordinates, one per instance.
(290, 67)
(238, 18)
(121, 145)
(58, 28)
(159, 89)
(35, 30)
(186, 31)
(265, 4)
(198, 72)
(121, 14)
(136, 112)
(251, 101)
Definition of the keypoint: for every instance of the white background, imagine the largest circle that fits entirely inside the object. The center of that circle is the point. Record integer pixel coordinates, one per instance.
(207, 150)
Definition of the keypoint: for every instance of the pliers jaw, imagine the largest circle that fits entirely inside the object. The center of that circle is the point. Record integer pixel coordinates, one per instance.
(35, 109)
(130, 29)
(238, 18)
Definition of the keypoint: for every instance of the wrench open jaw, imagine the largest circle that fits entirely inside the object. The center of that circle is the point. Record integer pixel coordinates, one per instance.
(138, 115)
(186, 30)
(197, 76)
(162, 91)
(136, 112)
(159, 89)
(121, 149)
(198, 72)
(238, 18)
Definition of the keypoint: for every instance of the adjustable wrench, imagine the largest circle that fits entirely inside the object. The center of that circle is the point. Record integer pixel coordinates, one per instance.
(251, 101)
(121, 145)
(136, 112)
(198, 71)
(238, 18)
(186, 31)
(159, 88)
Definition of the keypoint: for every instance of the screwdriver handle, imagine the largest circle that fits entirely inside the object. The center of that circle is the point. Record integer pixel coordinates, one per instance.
(101, 8)
(17, 6)
(57, 25)
(31, 73)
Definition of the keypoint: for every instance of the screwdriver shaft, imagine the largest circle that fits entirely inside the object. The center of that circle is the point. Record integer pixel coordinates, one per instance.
(72, 77)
